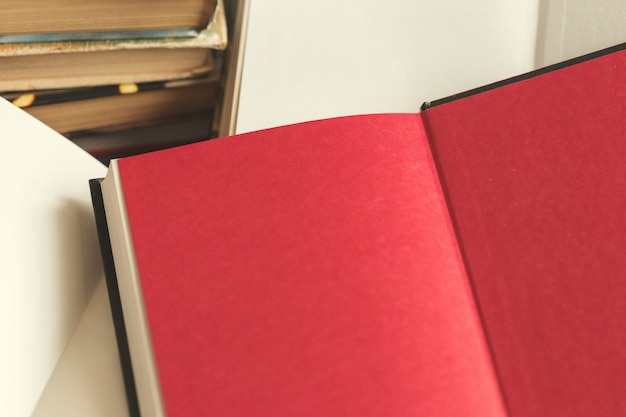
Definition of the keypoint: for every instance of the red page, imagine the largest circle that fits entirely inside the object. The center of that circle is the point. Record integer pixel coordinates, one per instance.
(308, 270)
(535, 174)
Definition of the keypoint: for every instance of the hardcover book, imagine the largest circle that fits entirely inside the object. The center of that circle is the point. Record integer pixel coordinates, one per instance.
(29, 20)
(118, 107)
(90, 60)
(467, 260)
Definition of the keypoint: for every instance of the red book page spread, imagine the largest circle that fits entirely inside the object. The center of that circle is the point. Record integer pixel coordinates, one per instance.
(309, 270)
(535, 174)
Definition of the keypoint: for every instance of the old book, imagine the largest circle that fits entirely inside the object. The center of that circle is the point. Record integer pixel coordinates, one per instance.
(465, 260)
(118, 107)
(68, 19)
(93, 61)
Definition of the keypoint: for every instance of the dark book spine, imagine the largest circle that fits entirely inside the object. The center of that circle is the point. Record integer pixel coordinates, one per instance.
(114, 295)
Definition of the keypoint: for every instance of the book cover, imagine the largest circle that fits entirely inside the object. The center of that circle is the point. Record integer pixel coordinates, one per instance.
(534, 180)
(465, 260)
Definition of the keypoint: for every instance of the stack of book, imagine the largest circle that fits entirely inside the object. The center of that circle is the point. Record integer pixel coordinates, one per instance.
(117, 76)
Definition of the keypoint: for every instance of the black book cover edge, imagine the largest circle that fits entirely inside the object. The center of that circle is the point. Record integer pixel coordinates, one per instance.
(531, 74)
(106, 252)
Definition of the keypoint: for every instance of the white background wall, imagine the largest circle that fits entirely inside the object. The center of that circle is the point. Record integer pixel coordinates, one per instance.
(307, 60)
(570, 28)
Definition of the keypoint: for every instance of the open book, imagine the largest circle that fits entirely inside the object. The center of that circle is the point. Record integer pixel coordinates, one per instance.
(467, 260)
